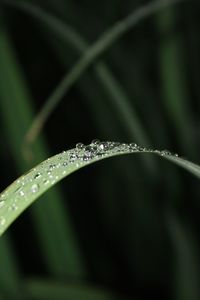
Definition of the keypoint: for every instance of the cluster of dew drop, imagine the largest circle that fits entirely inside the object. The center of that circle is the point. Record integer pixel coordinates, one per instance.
(39, 179)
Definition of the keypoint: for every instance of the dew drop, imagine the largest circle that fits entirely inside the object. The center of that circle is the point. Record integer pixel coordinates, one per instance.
(165, 153)
(101, 146)
(72, 157)
(21, 193)
(38, 175)
(80, 146)
(133, 146)
(2, 202)
(51, 167)
(95, 142)
(46, 181)
(2, 221)
(35, 188)
(13, 207)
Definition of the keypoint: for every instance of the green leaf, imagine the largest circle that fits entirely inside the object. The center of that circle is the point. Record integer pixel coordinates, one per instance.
(25, 190)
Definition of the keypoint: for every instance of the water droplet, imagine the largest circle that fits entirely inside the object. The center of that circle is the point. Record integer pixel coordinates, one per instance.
(21, 193)
(13, 207)
(38, 175)
(101, 146)
(2, 202)
(2, 221)
(95, 142)
(80, 146)
(51, 167)
(46, 181)
(165, 152)
(35, 188)
(133, 146)
(72, 157)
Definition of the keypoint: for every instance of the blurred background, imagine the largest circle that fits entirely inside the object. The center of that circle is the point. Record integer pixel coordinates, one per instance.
(126, 228)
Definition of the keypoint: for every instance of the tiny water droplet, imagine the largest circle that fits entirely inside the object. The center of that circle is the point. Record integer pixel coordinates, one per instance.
(2, 202)
(38, 175)
(13, 207)
(46, 181)
(80, 146)
(35, 188)
(51, 167)
(101, 146)
(95, 142)
(72, 157)
(133, 146)
(165, 152)
(2, 221)
(21, 193)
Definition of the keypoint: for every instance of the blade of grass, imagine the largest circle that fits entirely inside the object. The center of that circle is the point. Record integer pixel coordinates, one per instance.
(24, 191)
(43, 289)
(54, 241)
(102, 44)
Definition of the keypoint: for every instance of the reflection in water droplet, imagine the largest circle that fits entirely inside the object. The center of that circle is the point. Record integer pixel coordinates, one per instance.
(35, 188)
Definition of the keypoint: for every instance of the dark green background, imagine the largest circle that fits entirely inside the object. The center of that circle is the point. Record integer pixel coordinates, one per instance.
(122, 225)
